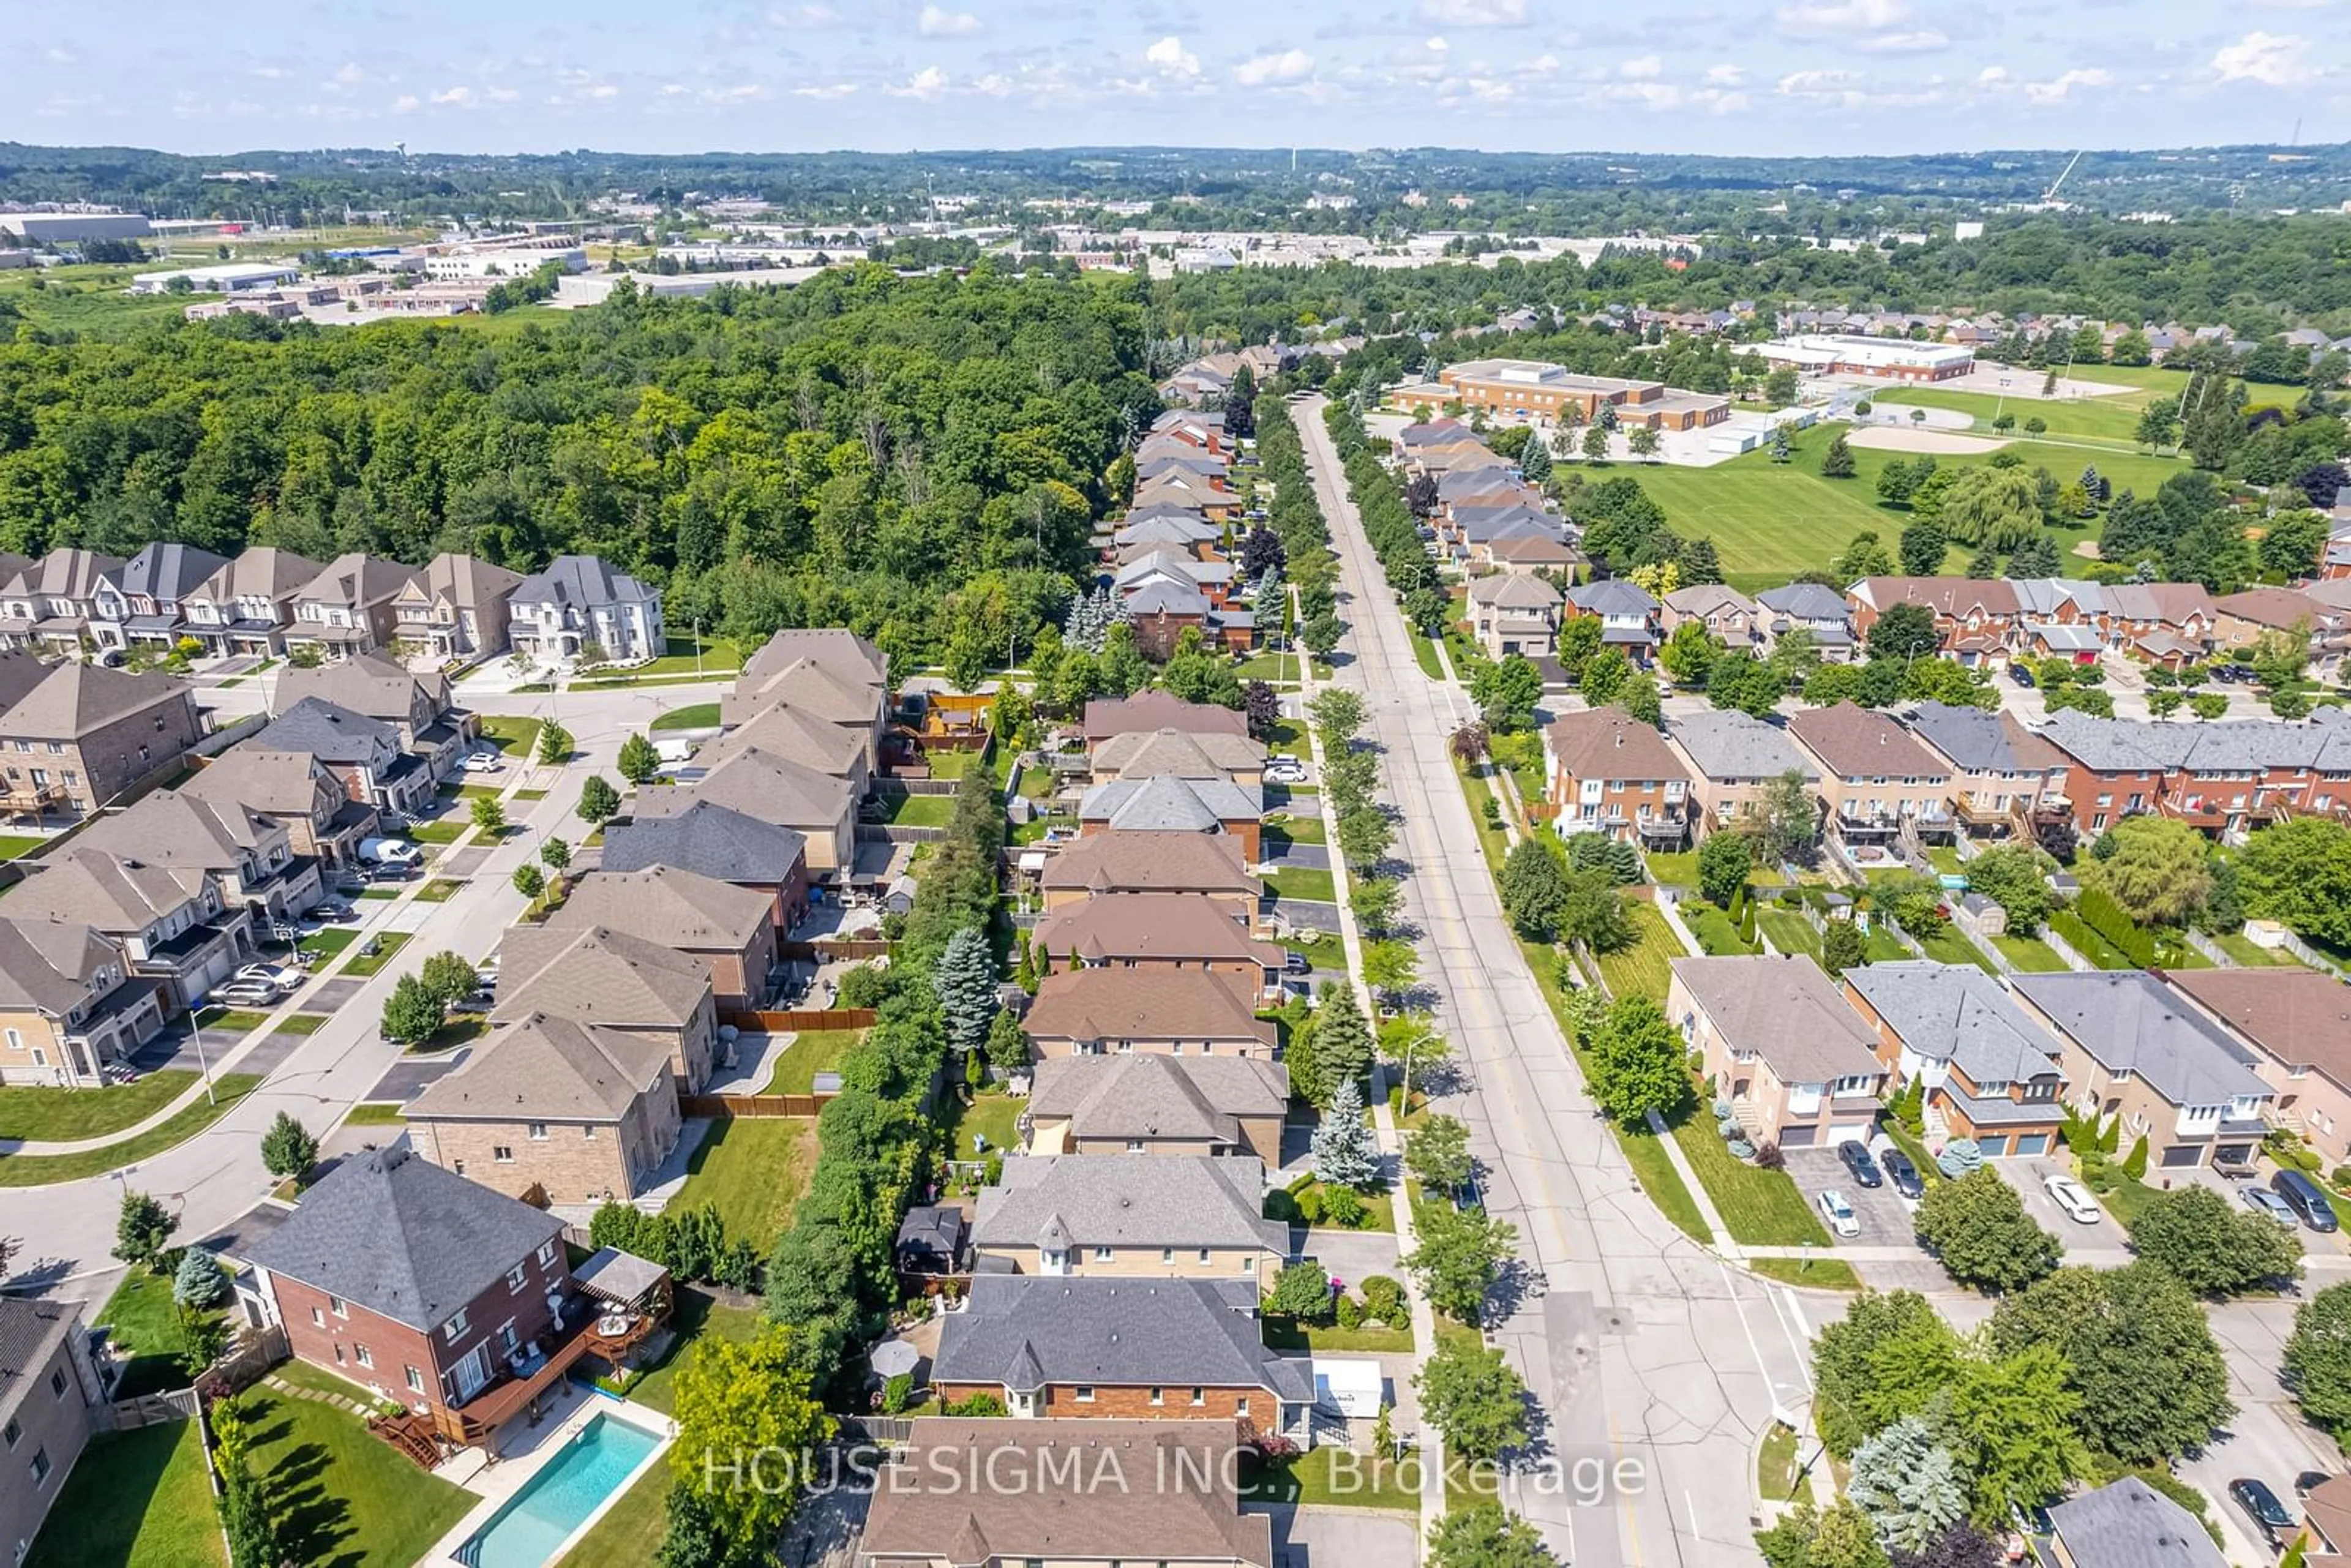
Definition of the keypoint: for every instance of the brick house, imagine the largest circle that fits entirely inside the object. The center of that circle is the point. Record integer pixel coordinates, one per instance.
(1731, 757)
(88, 734)
(1157, 1105)
(1878, 782)
(2166, 623)
(1514, 612)
(1991, 1073)
(1174, 930)
(1142, 1350)
(457, 608)
(785, 730)
(2134, 1049)
(1160, 610)
(1607, 772)
(730, 928)
(820, 807)
(830, 672)
(425, 1288)
(552, 1110)
(363, 754)
(248, 854)
(1117, 860)
(69, 1006)
(1176, 753)
(248, 605)
(2001, 773)
(1975, 617)
(1134, 1216)
(295, 788)
(350, 606)
(1174, 1012)
(1154, 710)
(173, 923)
(51, 1392)
(595, 975)
(1820, 613)
(2225, 778)
(1168, 804)
(1798, 1066)
(2296, 1024)
(419, 707)
(1724, 612)
(711, 841)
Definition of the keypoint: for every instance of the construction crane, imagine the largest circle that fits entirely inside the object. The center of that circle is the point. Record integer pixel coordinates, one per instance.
(2051, 193)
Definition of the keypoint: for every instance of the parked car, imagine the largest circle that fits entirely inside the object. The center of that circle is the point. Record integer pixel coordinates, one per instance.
(384, 848)
(1855, 1155)
(333, 911)
(2306, 1198)
(1285, 770)
(1902, 1173)
(392, 871)
(481, 762)
(2271, 1518)
(284, 976)
(1839, 1214)
(244, 994)
(2021, 676)
(1296, 964)
(2263, 1201)
(2074, 1198)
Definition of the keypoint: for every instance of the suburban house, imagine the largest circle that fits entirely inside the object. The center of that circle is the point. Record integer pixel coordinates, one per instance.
(457, 608)
(88, 736)
(730, 928)
(1205, 431)
(796, 734)
(2223, 779)
(51, 1395)
(1730, 757)
(2326, 1515)
(551, 1110)
(1514, 612)
(140, 601)
(1974, 616)
(1799, 1067)
(2137, 1050)
(1724, 612)
(248, 605)
(1809, 607)
(1880, 784)
(1166, 1350)
(1147, 712)
(428, 1288)
(50, 604)
(1118, 861)
(1179, 754)
(937, 710)
(1130, 1215)
(418, 706)
(348, 607)
(1520, 543)
(595, 975)
(250, 855)
(1170, 528)
(830, 672)
(1148, 1104)
(924, 1514)
(364, 755)
(1171, 804)
(1161, 609)
(1991, 1073)
(1627, 614)
(721, 843)
(2242, 621)
(1607, 772)
(297, 789)
(1172, 931)
(2128, 1524)
(576, 603)
(1173, 1012)
(172, 922)
(70, 1007)
(2166, 623)
(2297, 1025)
(821, 807)
(2001, 773)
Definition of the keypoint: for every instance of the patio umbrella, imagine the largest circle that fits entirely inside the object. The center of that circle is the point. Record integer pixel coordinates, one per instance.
(893, 1357)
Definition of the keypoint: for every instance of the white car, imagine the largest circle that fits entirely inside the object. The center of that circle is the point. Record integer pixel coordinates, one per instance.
(481, 762)
(1285, 771)
(244, 993)
(390, 852)
(1839, 1214)
(284, 977)
(2069, 1195)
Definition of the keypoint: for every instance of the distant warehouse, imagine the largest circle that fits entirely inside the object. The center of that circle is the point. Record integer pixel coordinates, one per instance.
(1531, 389)
(75, 228)
(229, 277)
(1893, 359)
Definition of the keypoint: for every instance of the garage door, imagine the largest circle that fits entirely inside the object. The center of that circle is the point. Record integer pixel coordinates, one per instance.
(1800, 1136)
(1993, 1144)
(2182, 1154)
(2032, 1143)
(1855, 1132)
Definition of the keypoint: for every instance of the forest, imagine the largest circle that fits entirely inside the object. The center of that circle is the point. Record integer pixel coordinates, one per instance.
(919, 459)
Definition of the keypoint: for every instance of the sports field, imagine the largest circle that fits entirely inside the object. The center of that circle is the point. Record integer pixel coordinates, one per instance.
(1769, 521)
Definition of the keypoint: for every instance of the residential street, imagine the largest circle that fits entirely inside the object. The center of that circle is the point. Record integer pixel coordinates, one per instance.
(1638, 1345)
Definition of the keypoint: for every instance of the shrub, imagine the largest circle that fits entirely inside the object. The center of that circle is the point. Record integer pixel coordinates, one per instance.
(1769, 1157)
(1740, 1149)
(2342, 1176)
(2134, 1163)
(1348, 1312)
(898, 1393)
(982, 1404)
(1341, 1208)
(1384, 1300)
(1959, 1156)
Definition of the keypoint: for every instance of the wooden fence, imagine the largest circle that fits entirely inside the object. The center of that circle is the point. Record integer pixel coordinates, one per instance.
(817, 952)
(799, 1020)
(751, 1107)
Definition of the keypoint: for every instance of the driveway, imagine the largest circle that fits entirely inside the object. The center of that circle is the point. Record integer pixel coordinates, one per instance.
(412, 1075)
(1309, 857)
(1341, 1538)
(1349, 1255)
(2314, 1244)
(1885, 1217)
(1306, 914)
(2105, 1243)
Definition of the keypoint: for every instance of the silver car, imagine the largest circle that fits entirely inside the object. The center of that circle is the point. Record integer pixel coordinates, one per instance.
(1839, 1214)
(2264, 1202)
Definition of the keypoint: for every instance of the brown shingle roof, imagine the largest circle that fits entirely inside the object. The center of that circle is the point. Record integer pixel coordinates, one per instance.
(1136, 862)
(1952, 596)
(597, 975)
(1609, 743)
(1144, 1004)
(1166, 926)
(2280, 608)
(1855, 742)
(1181, 753)
(2300, 1017)
(680, 909)
(75, 698)
(1106, 717)
(540, 1066)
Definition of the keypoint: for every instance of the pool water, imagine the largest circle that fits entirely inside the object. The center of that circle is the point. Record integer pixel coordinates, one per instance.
(525, 1532)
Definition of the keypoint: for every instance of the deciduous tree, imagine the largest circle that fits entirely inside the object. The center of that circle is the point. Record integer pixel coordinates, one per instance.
(2317, 1362)
(734, 1400)
(1460, 1255)
(640, 762)
(1978, 1227)
(2212, 1246)
(2139, 1352)
(1470, 1396)
(1637, 1063)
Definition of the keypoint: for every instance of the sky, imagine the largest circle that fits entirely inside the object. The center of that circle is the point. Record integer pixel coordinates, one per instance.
(1774, 76)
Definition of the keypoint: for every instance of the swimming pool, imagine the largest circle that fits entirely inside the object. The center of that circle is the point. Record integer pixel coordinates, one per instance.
(532, 1524)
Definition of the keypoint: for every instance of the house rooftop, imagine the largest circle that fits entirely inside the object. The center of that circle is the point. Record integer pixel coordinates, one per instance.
(704, 836)
(541, 1067)
(1170, 804)
(1785, 1011)
(1147, 1201)
(1150, 1096)
(1610, 743)
(1852, 741)
(1148, 1004)
(1156, 710)
(1025, 1332)
(1724, 744)
(597, 975)
(74, 700)
(2129, 1022)
(1980, 742)
(670, 904)
(2128, 1524)
(1121, 860)
(2300, 1017)
(1958, 1013)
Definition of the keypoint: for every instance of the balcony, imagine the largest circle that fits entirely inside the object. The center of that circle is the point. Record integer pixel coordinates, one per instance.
(32, 800)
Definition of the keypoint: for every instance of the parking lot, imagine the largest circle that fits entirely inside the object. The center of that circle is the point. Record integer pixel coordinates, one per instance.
(1884, 1214)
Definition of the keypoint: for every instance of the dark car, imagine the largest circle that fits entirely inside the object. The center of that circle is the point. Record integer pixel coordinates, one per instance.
(2306, 1198)
(1297, 964)
(391, 871)
(1856, 1159)
(2276, 1521)
(2020, 675)
(1902, 1174)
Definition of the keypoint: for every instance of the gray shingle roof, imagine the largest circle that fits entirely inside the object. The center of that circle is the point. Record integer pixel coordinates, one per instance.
(1613, 596)
(1167, 804)
(331, 734)
(2129, 1524)
(45, 964)
(580, 580)
(1805, 601)
(1180, 751)
(708, 837)
(1131, 1201)
(1024, 1330)
(1785, 1011)
(1980, 742)
(1958, 1013)
(1724, 744)
(167, 571)
(30, 1332)
(403, 1238)
(1148, 1095)
(2129, 1022)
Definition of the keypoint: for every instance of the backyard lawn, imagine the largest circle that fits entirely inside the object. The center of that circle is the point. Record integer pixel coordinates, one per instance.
(1303, 883)
(918, 811)
(13, 845)
(39, 1170)
(1880, 945)
(814, 1052)
(752, 1169)
(1640, 968)
(136, 1500)
(1790, 932)
(146, 1325)
(62, 1115)
(2236, 944)
(630, 1533)
(1713, 929)
(347, 1497)
(698, 1316)
(694, 716)
(518, 737)
(1763, 1207)
(2029, 953)
(1949, 946)
(992, 1114)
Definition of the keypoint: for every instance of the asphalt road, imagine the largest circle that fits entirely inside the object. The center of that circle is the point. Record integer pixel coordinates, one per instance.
(1654, 1364)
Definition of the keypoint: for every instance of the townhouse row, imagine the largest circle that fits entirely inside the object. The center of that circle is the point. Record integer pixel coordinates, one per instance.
(1166, 562)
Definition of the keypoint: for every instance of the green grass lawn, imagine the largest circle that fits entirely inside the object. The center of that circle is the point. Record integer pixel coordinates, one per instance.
(1303, 883)
(1379, 1208)
(1424, 653)
(918, 811)
(1762, 1208)
(63, 1116)
(145, 1321)
(2103, 420)
(13, 846)
(440, 890)
(513, 734)
(1654, 1167)
(698, 1316)
(1714, 933)
(1289, 738)
(327, 941)
(375, 1113)
(1880, 945)
(1290, 1334)
(1823, 1273)
(2078, 936)
(39, 1170)
(388, 944)
(1790, 932)
(1640, 968)
(1296, 828)
(1776, 1475)
(815, 1051)
(136, 1500)
(346, 1496)
(446, 830)
(2029, 953)
(752, 1170)
(992, 1114)
(1332, 1475)
(694, 716)
(947, 763)
(631, 1531)
(719, 657)
(2235, 943)
(300, 1023)
(230, 1021)
(1949, 946)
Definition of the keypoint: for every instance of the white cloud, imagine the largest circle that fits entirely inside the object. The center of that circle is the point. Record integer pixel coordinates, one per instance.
(1914, 41)
(1833, 18)
(1264, 70)
(1171, 58)
(927, 84)
(1725, 76)
(1437, 45)
(1475, 13)
(1646, 67)
(824, 92)
(61, 55)
(454, 97)
(995, 84)
(742, 92)
(2056, 90)
(2268, 57)
(1994, 76)
(603, 89)
(351, 75)
(1852, 90)
(804, 17)
(937, 22)
(406, 103)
